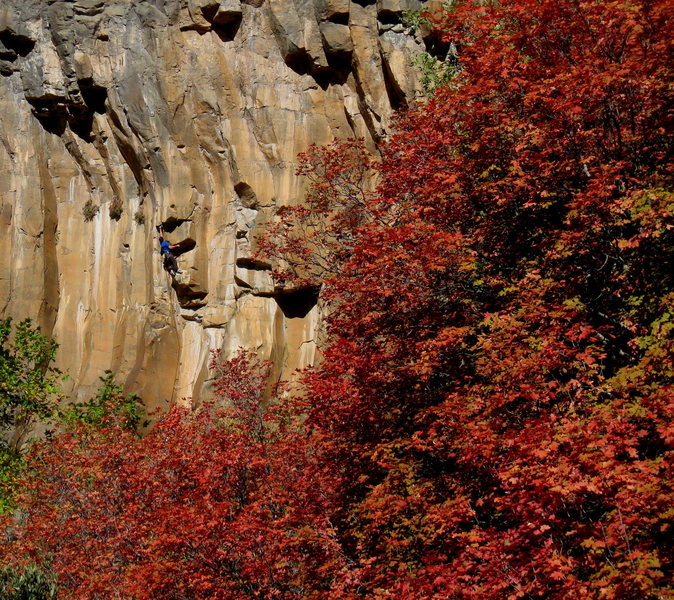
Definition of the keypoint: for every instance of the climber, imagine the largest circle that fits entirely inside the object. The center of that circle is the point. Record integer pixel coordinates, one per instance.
(170, 261)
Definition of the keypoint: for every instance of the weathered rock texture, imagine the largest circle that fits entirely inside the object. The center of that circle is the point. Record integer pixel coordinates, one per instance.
(121, 115)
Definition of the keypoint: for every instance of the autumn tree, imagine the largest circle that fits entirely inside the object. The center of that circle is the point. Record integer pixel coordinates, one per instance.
(496, 395)
(312, 241)
(208, 505)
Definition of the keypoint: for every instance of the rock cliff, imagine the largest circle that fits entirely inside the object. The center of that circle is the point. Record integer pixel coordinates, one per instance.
(122, 115)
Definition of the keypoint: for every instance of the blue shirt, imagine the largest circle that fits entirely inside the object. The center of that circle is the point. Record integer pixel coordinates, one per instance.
(165, 247)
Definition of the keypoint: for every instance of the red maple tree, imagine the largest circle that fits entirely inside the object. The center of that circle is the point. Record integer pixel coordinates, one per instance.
(497, 392)
(204, 506)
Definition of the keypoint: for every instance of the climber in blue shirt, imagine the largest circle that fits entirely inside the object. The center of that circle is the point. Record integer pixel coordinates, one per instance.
(170, 260)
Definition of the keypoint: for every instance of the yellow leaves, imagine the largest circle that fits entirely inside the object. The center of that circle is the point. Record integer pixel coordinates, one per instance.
(490, 171)
(593, 544)
(515, 169)
(573, 304)
(652, 211)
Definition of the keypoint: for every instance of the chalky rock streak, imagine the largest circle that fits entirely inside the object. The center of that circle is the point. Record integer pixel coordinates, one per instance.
(119, 116)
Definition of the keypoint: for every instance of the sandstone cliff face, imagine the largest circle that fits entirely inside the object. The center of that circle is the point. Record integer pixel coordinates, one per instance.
(122, 115)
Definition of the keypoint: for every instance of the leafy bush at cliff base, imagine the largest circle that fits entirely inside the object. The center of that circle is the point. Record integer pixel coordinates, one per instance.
(29, 384)
(29, 390)
(109, 404)
(29, 583)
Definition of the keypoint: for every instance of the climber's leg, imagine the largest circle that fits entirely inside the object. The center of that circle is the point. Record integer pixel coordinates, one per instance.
(170, 263)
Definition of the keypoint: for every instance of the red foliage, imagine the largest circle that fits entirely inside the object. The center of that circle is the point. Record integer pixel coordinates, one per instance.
(497, 393)
(315, 237)
(205, 506)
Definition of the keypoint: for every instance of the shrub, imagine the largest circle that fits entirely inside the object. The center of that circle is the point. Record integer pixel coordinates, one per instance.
(89, 210)
(116, 209)
(30, 583)
(211, 503)
(108, 405)
(10, 466)
(29, 385)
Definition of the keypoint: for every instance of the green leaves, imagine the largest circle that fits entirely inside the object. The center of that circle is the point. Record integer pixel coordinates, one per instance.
(10, 468)
(29, 384)
(29, 583)
(109, 405)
